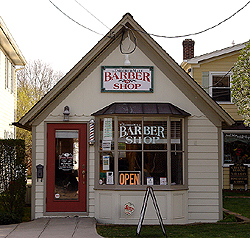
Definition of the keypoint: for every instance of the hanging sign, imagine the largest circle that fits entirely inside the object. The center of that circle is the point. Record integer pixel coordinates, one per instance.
(127, 79)
(66, 161)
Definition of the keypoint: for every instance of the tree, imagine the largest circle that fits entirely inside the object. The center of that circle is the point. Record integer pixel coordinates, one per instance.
(33, 82)
(241, 84)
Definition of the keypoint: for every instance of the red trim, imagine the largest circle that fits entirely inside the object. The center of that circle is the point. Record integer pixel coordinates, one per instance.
(66, 206)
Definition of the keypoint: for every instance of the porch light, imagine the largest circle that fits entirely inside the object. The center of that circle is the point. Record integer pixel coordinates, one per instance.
(66, 113)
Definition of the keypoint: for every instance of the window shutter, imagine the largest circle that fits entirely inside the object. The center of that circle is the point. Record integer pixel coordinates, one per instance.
(205, 81)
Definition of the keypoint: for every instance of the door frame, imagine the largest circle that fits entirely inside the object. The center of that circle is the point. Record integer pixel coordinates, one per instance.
(72, 206)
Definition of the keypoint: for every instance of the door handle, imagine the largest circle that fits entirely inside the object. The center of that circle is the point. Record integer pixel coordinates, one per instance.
(83, 176)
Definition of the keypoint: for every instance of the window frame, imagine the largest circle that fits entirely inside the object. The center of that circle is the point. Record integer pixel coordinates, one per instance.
(116, 186)
(238, 132)
(219, 73)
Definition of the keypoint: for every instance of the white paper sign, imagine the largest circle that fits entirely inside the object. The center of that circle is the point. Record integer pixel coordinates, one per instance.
(106, 145)
(150, 181)
(163, 181)
(105, 162)
(110, 178)
(107, 129)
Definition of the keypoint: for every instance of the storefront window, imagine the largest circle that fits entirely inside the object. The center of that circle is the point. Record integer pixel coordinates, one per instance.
(135, 151)
(236, 148)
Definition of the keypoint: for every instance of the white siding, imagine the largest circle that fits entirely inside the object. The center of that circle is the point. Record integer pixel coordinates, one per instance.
(7, 104)
(203, 177)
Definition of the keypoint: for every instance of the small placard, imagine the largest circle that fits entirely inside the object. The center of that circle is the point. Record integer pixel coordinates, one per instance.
(163, 181)
(110, 178)
(129, 208)
(106, 145)
(150, 181)
(105, 162)
(238, 174)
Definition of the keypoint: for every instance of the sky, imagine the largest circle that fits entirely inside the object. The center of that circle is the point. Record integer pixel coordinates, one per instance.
(42, 32)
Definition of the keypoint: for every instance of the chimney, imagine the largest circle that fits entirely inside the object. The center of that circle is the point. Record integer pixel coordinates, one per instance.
(188, 49)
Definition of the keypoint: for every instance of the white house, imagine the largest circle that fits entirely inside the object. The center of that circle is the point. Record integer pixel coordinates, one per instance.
(10, 57)
(116, 124)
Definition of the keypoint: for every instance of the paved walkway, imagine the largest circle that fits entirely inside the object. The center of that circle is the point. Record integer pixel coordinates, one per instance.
(52, 228)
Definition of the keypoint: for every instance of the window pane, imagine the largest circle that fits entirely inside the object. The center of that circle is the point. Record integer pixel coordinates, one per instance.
(155, 168)
(130, 168)
(176, 135)
(236, 148)
(66, 165)
(106, 134)
(129, 135)
(155, 135)
(221, 94)
(106, 168)
(176, 168)
(221, 81)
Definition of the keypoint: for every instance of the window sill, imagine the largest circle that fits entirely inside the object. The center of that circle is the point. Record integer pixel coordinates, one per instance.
(140, 188)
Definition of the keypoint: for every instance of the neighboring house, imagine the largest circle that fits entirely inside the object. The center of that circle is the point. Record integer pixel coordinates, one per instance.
(213, 72)
(107, 130)
(10, 57)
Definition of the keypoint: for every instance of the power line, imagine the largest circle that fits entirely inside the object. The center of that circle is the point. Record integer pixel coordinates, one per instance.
(92, 14)
(199, 32)
(74, 20)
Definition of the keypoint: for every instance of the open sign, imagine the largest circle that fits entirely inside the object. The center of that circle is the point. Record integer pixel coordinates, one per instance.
(129, 178)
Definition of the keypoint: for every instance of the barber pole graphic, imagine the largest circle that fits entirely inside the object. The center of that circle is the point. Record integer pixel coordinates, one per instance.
(91, 132)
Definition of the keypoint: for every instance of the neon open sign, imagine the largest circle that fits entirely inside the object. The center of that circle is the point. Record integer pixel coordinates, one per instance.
(129, 177)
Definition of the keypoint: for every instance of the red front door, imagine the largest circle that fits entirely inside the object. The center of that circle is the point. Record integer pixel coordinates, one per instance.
(66, 167)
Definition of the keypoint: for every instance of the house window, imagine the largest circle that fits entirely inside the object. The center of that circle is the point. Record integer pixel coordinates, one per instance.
(220, 86)
(236, 148)
(141, 151)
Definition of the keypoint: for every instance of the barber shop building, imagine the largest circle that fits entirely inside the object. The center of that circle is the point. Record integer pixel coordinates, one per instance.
(120, 121)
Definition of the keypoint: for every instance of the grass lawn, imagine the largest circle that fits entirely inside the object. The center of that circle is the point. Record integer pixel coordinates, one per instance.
(235, 230)
(239, 205)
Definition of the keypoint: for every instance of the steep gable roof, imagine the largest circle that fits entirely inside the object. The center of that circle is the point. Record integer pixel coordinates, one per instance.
(152, 50)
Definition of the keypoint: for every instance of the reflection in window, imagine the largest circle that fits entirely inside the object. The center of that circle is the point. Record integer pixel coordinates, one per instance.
(236, 148)
(140, 151)
(66, 165)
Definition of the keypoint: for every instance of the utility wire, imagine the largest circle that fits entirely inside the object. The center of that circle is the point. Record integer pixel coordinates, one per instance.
(92, 14)
(74, 20)
(196, 33)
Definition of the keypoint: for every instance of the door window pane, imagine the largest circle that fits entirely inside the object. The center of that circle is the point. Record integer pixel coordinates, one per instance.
(66, 165)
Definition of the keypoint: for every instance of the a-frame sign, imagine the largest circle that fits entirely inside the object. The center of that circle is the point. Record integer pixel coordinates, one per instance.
(143, 210)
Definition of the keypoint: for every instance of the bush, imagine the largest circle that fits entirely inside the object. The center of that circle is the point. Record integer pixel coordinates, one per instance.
(12, 181)
(9, 218)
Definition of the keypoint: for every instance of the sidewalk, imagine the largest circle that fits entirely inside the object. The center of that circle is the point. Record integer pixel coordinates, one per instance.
(52, 227)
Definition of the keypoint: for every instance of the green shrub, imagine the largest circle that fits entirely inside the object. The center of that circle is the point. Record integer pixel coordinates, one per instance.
(9, 218)
(12, 180)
